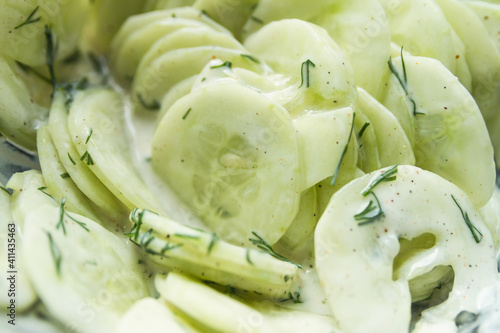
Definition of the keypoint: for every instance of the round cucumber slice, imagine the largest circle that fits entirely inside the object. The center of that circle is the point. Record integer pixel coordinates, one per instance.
(316, 65)
(370, 292)
(451, 138)
(231, 154)
(154, 81)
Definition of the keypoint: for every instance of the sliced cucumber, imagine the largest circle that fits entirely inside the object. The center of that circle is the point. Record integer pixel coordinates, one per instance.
(302, 228)
(27, 42)
(188, 37)
(423, 30)
(364, 295)
(203, 255)
(58, 180)
(322, 138)
(451, 138)
(85, 276)
(316, 65)
(154, 81)
(361, 29)
(392, 142)
(140, 32)
(231, 315)
(79, 171)
(96, 124)
(19, 288)
(19, 115)
(231, 154)
(158, 316)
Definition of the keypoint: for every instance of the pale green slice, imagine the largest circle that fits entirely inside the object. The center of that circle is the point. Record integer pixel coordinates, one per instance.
(69, 156)
(315, 64)
(231, 315)
(22, 294)
(27, 42)
(140, 32)
(154, 81)
(423, 30)
(19, 115)
(85, 276)
(154, 313)
(97, 128)
(203, 255)
(190, 36)
(365, 295)
(392, 142)
(58, 180)
(322, 138)
(231, 154)
(451, 138)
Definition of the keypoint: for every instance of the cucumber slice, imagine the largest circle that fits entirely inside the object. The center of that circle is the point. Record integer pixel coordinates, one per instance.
(322, 138)
(140, 32)
(158, 316)
(422, 29)
(392, 142)
(366, 140)
(154, 81)
(231, 154)
(188, 37)
(27, 43)
(361, 29)
(363, 295)
(296, 238)
(80, 173)
(483, 59)
(96, 124)
(57, 180)
(86, 277)
(316, 65)
(451, 138)
(231, 315)
(179, 90)
(491, 216)
(19, 115)
(10, 242)
(231, 14)
(489, 14)
(201, 254)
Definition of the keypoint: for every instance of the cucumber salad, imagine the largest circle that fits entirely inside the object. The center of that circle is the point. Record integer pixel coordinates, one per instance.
(250, 166)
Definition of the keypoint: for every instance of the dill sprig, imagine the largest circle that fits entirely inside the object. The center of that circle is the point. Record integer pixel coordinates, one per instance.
(86, 157)
(30, 19)
(213, 240)
(250, 57)
(337, 169)
(186, 114)
(56, 253)
(370, 213)
(153, 106)
(265, 247)
(51, 49)
(362, 130)
(304, 69)
(89, 136)
(475, 231)
(227, 64)
(63, 213)
(384, 176)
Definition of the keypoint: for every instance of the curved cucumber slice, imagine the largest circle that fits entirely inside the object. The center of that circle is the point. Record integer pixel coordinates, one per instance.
(27, 43)
(422, 29)
(79, 171)
(86, 277)
(315, 64)
(140, 32)
(451, 138)
(392, 142)
(25, 294)
(365, 295)
(57, 180)
(322, 138)
(188, 37)
(96, 124)
(231, 154)
(19, 115)
(154, 81)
